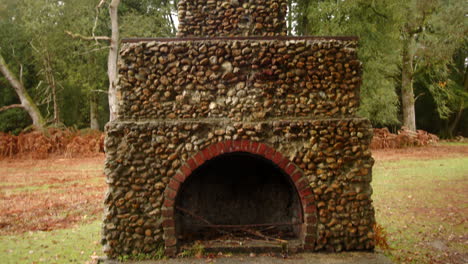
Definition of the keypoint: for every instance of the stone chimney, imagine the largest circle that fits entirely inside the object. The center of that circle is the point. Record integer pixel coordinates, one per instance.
(232, 18)
(239, 125)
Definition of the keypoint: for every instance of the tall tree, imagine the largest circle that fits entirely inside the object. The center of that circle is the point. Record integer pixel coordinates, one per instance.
(65, 77)
(41, 21)
(458, 83)
(138, 15)
(15, 54)
(431, 31)
(299, 10)
(447, 84)
(112, 59)
(372, 22)
(396, 36)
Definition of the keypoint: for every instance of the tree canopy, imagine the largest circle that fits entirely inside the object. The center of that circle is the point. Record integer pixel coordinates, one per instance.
(66, 77)
(411, 52)
(414, 56)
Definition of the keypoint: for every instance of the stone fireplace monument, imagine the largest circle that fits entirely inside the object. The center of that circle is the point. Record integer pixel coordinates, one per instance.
(235, 130)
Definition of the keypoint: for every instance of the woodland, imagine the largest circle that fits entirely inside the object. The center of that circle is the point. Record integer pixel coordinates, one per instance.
(58, 72)
(57, 57)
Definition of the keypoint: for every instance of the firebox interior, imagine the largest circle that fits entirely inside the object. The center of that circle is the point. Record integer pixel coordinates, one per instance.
(234, 192)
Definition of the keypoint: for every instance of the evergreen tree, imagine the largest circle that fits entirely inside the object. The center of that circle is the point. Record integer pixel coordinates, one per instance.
(400, 41)
(372, 22)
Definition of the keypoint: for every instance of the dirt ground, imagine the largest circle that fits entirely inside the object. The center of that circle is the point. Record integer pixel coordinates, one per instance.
(422, 202)
(50, 194)
(421, 153)
(58, 193)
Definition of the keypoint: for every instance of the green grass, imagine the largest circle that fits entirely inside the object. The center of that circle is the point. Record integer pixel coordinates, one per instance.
(75, 245)
(420, 202)
(39, 188)
(47, 187)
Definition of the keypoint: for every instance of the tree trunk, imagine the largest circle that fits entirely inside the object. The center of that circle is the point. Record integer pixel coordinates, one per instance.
(53, 86)
(169, 4)
(94, 111)
(462, 106)
(305, 25)
(26, 101)
(453, 126)
(112, 60)
(303, 19)
(290, 18)
(4, 108)
(407, 94)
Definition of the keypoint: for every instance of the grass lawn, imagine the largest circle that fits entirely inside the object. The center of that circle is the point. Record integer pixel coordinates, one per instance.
(53, 214)
(50, 210)
(423, 205)
(72, 245)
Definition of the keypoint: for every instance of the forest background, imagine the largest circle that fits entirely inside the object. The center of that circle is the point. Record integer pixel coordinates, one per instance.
(414, 55)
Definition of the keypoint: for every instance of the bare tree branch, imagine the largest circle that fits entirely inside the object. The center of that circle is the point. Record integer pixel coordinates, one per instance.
(79, 36)
(95, 25)
(21, 74)
(417, 97)
(96, 19)
(101, 4)
(10, 107)
(113, 51)
(26, 102)
(100, 91)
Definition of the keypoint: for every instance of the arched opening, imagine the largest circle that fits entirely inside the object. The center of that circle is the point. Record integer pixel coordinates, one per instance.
(238, 196)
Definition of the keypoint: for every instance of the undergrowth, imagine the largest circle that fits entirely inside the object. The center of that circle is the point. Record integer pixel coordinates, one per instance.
(158, 255)
(38, 145)
(381, 237)
(197, 250)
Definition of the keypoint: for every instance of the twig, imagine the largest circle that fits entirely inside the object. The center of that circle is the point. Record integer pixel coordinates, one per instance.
(96, 19)
(21, 74)
(101, 3)
(252, 225)
(267, 228)
(250, 231)
(10, 107)
(100, 91)
(200, 218)
(417, 97)
(34, 47)
(87, 38)
(257, 233)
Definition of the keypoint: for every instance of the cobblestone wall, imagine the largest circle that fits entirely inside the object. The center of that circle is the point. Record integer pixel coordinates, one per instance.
(178, 102)
(240, 80)
(232, 18)
(185, 101)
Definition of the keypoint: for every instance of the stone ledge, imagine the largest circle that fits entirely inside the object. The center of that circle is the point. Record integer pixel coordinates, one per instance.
(287, 38)
(301, 258)
(225, 121)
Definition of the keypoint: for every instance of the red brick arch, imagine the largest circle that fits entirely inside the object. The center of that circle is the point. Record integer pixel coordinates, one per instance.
(304, 191)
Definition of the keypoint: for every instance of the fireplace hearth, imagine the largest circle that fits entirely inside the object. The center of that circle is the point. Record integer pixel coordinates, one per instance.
(237, 190)
(236, 135)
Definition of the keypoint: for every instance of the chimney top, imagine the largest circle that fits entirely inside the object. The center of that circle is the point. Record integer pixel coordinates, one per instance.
(232, 18)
